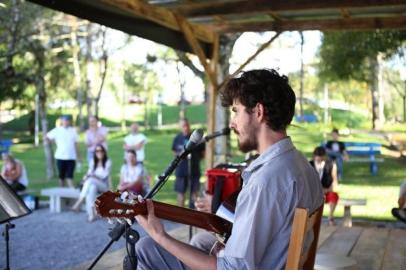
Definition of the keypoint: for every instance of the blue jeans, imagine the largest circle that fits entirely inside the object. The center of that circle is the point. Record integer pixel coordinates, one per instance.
(337, 157)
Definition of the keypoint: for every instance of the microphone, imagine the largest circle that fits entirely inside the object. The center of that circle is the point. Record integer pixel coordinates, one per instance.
(194, 139)
(223, 132)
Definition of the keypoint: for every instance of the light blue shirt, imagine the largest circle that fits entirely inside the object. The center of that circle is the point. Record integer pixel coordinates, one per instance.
(277, 182)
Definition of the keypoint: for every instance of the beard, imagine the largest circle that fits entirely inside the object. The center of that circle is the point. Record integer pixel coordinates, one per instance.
(250, 142)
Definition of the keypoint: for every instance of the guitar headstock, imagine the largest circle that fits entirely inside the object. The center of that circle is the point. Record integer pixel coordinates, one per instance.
(119, 205)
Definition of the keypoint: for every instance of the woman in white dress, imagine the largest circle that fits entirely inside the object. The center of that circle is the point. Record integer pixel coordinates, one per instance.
(96, 180)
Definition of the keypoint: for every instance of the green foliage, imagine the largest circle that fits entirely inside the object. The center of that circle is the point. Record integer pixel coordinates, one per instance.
(140, 80)
(343, 55)
(31, 49)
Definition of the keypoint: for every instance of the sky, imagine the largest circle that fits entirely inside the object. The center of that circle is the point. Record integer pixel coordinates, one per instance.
(283, 55)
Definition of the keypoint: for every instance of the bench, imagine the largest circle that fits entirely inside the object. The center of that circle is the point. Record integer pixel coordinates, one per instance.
(5, 145)
(368, 153)
(347, 203)
(60, 197)
(306, 118)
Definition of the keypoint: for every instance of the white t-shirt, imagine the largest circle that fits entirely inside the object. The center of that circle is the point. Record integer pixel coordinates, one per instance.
(65, 140)
(133, 139)
(131, 173)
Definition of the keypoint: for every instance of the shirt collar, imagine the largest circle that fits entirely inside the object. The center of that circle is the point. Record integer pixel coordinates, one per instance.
(273, 151)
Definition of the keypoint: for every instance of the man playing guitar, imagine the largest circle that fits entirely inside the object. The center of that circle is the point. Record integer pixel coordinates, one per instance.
(278, 181)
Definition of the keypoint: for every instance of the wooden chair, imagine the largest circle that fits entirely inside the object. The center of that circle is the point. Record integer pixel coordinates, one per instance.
(298, 258)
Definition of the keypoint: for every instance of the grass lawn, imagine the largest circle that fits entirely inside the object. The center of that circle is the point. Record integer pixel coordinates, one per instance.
(381, 191)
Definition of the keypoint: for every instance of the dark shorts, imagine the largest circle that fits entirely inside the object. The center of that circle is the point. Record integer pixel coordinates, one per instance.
(181, 184)
(65, 168)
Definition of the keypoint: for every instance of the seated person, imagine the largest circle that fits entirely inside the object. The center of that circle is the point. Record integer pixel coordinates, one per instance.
(327, 171)
(204, 240)
(337, 152)
(96, 180)
(400, 213)
(132, 175)
(13, 171)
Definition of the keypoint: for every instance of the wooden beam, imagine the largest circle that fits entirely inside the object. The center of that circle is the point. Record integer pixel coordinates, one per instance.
(197, 49)
(213, 93)
(252, 57)
(398, 22)
(158, 15)
(345, 13)
(264, 6)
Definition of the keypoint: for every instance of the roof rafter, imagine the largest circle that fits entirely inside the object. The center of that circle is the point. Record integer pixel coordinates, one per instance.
(159, 15)
(256, 6)
(322, 25)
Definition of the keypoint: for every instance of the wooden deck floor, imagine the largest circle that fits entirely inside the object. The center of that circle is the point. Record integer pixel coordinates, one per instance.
(372, 248)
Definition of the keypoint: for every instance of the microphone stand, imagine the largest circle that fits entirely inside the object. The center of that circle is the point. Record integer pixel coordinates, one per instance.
(190, 182)
(132, 235)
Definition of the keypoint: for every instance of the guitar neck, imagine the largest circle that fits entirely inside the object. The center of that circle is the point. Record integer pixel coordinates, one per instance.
(195, 218)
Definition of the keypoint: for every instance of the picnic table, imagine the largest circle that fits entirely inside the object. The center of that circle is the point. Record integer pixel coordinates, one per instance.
(365, 152)
(5, 145)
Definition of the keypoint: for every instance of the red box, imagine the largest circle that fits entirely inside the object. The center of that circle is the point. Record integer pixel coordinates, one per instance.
(231, 181)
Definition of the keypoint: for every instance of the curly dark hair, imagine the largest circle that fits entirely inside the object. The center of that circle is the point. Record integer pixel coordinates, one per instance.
(267, 87)
(319, 151)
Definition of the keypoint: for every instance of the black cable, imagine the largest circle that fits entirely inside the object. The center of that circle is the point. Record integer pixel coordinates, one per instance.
(126, 245)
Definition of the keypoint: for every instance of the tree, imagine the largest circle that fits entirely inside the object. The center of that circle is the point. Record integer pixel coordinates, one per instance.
(358, 55)
(31, 56)
(144, 82)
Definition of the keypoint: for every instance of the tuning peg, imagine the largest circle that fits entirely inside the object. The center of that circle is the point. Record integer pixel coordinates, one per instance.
(124, 195)
(140, 198)
(129, 211)
(120, 211)
(132, 195)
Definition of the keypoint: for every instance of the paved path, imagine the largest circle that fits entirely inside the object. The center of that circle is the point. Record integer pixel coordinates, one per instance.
(56, 241)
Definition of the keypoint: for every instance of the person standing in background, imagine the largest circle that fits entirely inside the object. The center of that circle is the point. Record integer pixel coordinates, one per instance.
(135, 141)
(95, 135)
(337, 152)
(67, 149)
(182, 171)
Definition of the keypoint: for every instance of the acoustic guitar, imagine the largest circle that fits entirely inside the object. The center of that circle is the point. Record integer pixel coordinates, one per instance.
(112, 205)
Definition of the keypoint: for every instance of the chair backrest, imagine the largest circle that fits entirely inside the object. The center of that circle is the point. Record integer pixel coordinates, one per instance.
(300, 257)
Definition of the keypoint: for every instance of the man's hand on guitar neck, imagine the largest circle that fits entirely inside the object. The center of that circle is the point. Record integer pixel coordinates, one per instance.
(151, 224)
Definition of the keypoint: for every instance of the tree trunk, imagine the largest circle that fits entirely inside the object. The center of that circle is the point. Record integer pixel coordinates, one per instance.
(373, 80)
(103, 79)
(222, 144)
(381, 101)
(42, 97)
(301, 75)
(77, 73)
